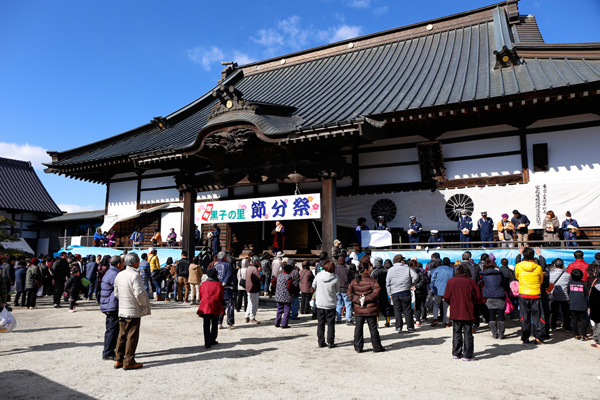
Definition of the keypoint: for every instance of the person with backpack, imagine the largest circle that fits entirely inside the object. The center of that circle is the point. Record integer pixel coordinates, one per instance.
(363, 292)
(559, 280)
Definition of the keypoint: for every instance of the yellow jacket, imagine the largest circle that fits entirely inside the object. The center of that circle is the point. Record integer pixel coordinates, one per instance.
(530, 277)
(154, 263)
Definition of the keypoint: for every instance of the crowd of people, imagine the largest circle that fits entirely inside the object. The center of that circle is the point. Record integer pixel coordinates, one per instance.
(510, 230)
(333, 290)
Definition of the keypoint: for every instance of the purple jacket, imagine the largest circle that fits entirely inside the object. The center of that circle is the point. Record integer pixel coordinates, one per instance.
(108, 301)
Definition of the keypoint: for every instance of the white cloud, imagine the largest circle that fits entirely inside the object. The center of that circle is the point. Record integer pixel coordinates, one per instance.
(359, 3)
(242, 58)
(380, 10)
(207, 58)
(75, 208)
(344, 32)
(269, 38)
(25, 152)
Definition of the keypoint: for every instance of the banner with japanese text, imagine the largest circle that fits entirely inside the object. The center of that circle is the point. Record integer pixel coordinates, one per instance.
(307, 206)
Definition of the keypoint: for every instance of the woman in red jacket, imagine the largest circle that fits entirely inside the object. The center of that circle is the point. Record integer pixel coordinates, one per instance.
(211, 306)
(363, 291)
(462, 293)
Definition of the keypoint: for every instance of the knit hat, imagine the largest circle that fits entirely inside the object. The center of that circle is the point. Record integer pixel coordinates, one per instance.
(212, 273)
(504, 215)
(35, 261)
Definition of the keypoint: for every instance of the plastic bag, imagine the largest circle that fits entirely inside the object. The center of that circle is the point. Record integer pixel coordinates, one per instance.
(7, 321)
(40, 291)
(85, 282)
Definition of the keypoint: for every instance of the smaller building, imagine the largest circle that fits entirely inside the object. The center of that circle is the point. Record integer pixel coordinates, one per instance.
(25, 200)
(78, 228)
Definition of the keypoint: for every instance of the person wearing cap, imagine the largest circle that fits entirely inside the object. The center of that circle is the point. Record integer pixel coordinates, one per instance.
(569, 228)
(521, 224)
(506, 231)
(414, 229)
(435, 238)
(380, 224)
(336, 250)
(485, 226)
(465, 225)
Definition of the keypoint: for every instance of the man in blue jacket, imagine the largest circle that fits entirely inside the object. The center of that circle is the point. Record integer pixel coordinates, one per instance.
(225, 271)
(109, 305)
(465, 225)
(414, 230)
(439, 278)
(486, 229)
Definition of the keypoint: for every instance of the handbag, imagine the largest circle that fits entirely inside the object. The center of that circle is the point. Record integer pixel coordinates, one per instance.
(509, 305)
(550, 287)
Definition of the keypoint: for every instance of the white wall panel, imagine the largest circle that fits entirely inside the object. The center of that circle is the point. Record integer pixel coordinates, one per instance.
(122, 197)
(390, 175)
(159, 196)
(485, 146)
(483, 167)
(388, 157)
(170, 220)
(149, 183)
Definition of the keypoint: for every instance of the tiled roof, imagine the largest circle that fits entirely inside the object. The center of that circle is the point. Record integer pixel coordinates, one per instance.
(22, 190)
(76, 216)
(400, 70)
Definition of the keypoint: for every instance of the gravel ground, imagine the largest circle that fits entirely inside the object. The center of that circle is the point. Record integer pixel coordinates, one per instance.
(54, 354)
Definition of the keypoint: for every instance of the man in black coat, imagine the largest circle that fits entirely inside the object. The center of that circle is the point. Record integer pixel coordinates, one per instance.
(60, 274)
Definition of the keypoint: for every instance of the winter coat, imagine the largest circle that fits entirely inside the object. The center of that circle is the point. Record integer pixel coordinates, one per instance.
(577, 296)
(133, 298)
(580, 265)
(276, 266)
(252, 279)
(8, 273)
(306, 280)
(108, 301)
(326, 286)
(594, 301)
(91, 271)
(283, 288)
(439, 279)
(61, 270)
(183, 268)
(195, 274)
(529, 275)
(211, 298)
(154, 263)
(421, 285)
(508, 274)
(560, 278)
(462, 294)
(74, 287)
(342, 273)
(494, 284)
(370, 289)
(553, 235)
(241, 274)
(380, 274)
(20, 273)
(33, 277)
(400, 278)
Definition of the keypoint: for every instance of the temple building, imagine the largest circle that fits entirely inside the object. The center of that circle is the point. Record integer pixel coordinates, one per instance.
(472, 111)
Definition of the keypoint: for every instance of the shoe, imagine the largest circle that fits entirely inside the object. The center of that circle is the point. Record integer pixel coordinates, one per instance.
(417, 323)
(434, 322)
(387, 325)
(585, 338)
(410, 330)
(456, 357)
(358, 350)
(473, 330)
(56, 305)
(29, 308)
(525, 341)
(230, 327)
(539, 341)
(545, 337)
(134, 366)
(254, 321)
(277, 326)
(577, 337)
(221, 326)
(595, 345)
(321, 345)
(332, 345)
(32, 308)
(118, 365)
(449, 325)
(350, 322)
(285, 327)
(215, 343)
(399, 330)
(381, 350)
(247, 320)
(167, 299)
(71, 310)
(568, 331)
(467, 359)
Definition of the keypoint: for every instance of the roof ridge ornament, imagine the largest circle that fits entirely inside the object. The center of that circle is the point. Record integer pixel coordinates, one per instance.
(230, 99)
(506, 55)
(160, 123)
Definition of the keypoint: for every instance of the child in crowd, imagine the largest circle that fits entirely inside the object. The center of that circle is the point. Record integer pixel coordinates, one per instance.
(74, 286)
(578, 301)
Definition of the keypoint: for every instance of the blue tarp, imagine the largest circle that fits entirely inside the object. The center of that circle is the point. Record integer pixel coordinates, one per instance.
(425, 256)
(162, 253)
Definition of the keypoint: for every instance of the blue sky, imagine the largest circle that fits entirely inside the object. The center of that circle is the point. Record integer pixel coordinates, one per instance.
(73, 72)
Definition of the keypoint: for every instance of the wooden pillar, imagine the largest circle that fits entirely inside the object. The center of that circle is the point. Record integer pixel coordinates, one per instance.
(328, 210)
(188, 242)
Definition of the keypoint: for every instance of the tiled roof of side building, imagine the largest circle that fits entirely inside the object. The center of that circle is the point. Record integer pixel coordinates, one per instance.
(76, 216)
(22, 190)
(428, 65)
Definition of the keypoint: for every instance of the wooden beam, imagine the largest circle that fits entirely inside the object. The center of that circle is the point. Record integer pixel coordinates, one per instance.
(328, 212)
(188, 242)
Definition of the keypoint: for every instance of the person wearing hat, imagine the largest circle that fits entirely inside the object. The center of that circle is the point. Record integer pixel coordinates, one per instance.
(336, 250)
(506, 231)
(465, 225)
(380, 224)
(435, 238)
(414, 229)
(569, 228)
(521, 224)
(485, 226)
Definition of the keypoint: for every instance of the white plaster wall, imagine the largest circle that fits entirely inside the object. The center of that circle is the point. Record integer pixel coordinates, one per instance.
(573, 155)
(170, 220)
(483, 167)
(122, 197)
(217, 194)
(389, 175)
(477, 131)
(388, 157)
(148, 183)
(486, 146)
(159, 196)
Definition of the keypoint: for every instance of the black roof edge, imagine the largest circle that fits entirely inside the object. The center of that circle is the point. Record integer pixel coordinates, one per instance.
(559, 46)
(382, 33)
